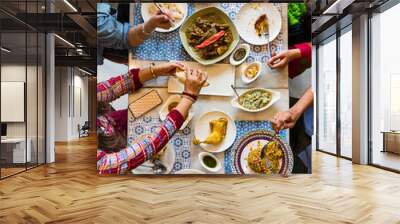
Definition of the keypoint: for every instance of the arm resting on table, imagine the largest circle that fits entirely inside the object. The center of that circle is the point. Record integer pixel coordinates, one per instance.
(140, 151)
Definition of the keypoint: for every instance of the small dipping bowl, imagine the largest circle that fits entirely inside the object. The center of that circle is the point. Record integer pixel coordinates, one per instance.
(241, 49)
(246, 79)
(209, 162)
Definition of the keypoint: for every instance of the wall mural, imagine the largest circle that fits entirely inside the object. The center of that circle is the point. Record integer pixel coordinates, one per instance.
(207, 87)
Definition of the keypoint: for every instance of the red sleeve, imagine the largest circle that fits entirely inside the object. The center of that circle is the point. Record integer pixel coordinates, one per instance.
(305, 49)
(298, 66)
(118, 86)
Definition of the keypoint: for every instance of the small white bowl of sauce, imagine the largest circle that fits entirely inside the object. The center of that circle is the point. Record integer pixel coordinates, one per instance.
(240, 54)
(209, 162)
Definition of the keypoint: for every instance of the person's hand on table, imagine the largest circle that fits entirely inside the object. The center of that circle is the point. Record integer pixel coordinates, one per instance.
(282, 59)
(284, 120)
(195, 80)
(168, 69)
(158, 21)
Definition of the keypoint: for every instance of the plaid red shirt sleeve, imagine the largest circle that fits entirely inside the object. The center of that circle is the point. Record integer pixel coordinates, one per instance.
(139, 151)
(298, 66)
(118, 86)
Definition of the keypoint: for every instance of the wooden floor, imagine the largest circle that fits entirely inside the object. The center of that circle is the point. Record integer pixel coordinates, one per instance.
(10, 171)
(70, 192)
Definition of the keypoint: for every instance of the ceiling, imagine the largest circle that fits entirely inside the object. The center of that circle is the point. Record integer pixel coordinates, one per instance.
(22, 20)
(331, 15)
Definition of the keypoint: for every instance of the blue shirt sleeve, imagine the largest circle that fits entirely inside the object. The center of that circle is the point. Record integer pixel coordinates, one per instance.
(110, 32)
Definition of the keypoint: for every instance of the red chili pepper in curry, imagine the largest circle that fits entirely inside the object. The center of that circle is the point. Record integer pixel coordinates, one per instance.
(211, 39)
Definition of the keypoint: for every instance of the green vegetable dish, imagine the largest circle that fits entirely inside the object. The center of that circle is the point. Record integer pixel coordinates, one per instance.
(256, 99)
(209, 35)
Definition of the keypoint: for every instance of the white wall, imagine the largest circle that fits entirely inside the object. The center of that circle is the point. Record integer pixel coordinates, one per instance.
(33, 127)
(70, 83)
(15, 73)
(79, 117)
(61, 103)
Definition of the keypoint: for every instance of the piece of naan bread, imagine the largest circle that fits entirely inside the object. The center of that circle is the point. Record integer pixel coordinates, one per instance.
(181, 76)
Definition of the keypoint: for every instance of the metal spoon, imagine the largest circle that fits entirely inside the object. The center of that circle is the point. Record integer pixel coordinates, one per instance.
(262, 153)
(159, 168)
(264, 149)
(234, 90)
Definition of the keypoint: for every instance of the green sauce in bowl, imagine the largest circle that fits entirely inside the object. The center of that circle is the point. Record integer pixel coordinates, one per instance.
(209, 161)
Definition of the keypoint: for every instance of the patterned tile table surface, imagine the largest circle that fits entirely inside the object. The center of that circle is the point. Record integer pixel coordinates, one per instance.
(155, 48)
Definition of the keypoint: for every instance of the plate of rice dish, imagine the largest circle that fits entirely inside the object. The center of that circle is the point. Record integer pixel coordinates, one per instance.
(262, 152)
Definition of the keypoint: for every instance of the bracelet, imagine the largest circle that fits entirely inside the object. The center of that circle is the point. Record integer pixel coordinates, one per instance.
(152, 70)
(144, 32)
(189, 96)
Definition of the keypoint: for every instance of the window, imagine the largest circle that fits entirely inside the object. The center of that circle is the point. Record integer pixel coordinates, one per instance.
(346, 93)
(385, 89)
(22, 75)
(327, 96)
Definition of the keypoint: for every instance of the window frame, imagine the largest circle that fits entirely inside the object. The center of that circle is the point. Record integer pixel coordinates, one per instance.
(379, 10)
(339, 32)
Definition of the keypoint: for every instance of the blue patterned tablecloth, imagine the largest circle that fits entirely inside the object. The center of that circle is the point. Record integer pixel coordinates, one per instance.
(167, 46)
(181, 141)
(244, 127)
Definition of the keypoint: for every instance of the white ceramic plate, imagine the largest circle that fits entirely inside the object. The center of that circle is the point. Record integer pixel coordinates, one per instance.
(275, 97)
(245, 153)
(189, 171)
(248, 15)
(146, 15)
(167, 159)
(202, 130)
(250, 140)
(164, 110)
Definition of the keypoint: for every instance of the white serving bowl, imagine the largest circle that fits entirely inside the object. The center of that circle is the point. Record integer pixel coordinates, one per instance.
(246, 47)
(212, 170)
(275, 97)
(247, 80)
